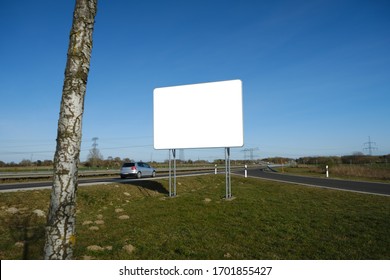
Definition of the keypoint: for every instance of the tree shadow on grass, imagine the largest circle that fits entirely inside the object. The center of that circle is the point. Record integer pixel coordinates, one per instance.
(28, 231)
(146, 187)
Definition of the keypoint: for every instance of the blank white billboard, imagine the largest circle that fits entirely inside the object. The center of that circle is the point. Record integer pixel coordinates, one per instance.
(207, 115)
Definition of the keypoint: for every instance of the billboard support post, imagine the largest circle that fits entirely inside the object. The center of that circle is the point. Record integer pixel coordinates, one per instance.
(169, 173)
(174, 171)
(227, 174)
(172, 193)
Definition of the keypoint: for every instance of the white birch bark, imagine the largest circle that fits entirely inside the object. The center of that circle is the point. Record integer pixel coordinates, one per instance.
(60, 228)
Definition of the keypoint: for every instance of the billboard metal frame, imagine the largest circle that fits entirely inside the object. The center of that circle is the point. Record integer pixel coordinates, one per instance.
(177, 124)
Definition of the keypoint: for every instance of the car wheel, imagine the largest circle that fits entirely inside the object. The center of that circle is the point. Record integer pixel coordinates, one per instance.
(139, 175)
(154, 174)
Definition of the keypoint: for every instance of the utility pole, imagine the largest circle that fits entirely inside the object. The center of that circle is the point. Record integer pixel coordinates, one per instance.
(370, 146)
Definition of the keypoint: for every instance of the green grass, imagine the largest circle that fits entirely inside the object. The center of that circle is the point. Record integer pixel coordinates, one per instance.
(266, 220)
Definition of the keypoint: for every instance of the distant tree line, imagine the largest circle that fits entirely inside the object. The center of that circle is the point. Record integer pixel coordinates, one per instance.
(110, 162)
(357, 158)
(97, 161)
(26, 163)
(116, 162)
(278, 160)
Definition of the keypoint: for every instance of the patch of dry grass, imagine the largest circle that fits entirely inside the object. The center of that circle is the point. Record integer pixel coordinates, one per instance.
(359, 171)
(344, 171)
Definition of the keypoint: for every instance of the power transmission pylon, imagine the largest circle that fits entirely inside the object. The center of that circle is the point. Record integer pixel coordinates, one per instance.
(370, 146)
(250, 150)
(94, 144)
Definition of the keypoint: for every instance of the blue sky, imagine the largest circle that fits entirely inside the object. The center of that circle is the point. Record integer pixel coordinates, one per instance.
(316, 74)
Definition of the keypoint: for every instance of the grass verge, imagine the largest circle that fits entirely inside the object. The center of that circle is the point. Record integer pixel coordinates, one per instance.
(266, 220)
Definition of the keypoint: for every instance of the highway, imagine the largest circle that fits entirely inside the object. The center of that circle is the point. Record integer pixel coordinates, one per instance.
(337, 184)
(345, 185)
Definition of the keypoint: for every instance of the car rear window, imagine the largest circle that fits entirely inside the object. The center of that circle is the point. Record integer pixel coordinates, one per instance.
(128, 164)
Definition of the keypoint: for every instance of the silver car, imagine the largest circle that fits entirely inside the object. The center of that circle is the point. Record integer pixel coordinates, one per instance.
(137, 169)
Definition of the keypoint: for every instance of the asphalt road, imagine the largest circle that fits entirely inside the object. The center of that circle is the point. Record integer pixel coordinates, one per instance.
(354, 186)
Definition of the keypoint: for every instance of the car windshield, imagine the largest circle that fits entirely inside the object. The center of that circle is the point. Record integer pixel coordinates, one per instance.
(128, 164)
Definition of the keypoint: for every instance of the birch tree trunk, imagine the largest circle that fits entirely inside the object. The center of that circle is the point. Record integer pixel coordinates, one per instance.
(60, 228)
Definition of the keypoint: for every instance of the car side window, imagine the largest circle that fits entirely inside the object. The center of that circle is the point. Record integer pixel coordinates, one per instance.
(146, 165)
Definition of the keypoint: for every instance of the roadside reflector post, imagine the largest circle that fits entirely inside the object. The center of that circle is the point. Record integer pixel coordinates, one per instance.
(246, 171)
(327, 171)
(215, 170)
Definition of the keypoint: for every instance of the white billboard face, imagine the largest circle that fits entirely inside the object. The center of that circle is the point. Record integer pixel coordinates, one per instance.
(207, 115)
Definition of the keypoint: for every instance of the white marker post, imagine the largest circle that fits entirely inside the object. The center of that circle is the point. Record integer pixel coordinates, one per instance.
(215, 170)
(327, 171)
(246, 171)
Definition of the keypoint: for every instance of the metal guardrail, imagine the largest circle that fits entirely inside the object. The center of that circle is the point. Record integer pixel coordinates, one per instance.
(95, 173)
